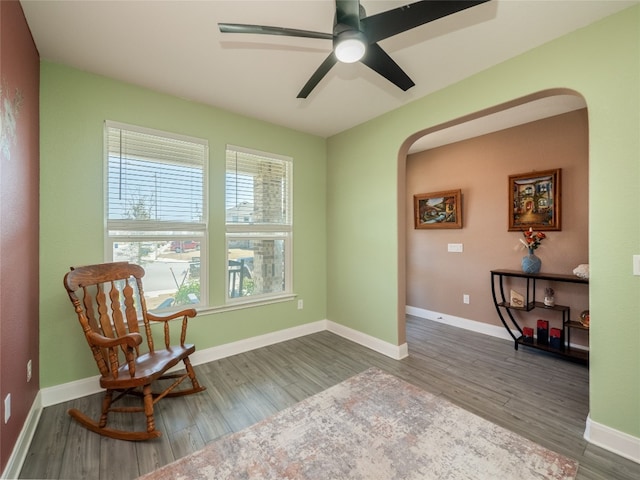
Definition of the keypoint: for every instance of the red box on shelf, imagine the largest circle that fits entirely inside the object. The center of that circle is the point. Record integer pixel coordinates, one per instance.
(543, 332)
(527, 335)
(555, 338)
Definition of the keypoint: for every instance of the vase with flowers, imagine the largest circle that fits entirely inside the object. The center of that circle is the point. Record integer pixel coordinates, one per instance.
(532, 240)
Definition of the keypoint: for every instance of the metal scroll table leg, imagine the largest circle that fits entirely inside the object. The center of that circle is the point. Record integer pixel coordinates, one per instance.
(503, 302)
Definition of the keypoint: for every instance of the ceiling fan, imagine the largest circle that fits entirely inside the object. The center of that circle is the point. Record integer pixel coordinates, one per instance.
(355, 35)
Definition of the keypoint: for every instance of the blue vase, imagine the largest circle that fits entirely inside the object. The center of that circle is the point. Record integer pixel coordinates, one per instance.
(531, 263)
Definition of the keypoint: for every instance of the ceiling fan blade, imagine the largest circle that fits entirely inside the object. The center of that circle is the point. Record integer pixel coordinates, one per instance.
(387, 24)
(348, 13)
(318, 75)
(265, 30)
(378, 60)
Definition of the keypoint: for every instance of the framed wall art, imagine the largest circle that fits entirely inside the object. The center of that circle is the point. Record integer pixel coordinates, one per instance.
(438, 210)
(535, 200)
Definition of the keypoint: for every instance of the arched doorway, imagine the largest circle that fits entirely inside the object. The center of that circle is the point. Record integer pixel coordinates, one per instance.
(558, 104)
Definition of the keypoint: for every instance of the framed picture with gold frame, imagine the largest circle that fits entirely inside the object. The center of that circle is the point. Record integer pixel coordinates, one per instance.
(535, 200)
(438, 209)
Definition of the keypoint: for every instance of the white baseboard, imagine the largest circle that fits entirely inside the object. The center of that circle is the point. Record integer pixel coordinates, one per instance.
(88, 386)
(70, 391)
(248, 344)
(480, 327)
(615, 441)
(20, 449)
(397, 352)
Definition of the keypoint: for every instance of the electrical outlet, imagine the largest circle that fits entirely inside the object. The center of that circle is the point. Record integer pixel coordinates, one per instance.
(7, 407)
(300, 304)
(29, 371)
(636, 264)
(465, 298)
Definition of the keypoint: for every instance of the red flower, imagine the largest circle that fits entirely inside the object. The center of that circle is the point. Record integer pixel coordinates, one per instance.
(532, 240)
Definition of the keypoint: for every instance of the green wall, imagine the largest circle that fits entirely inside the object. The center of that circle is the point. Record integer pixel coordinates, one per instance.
(601, 62)
(352, 245)
(74, 106)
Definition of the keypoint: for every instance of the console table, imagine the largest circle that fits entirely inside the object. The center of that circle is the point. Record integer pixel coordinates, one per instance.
(529, 280)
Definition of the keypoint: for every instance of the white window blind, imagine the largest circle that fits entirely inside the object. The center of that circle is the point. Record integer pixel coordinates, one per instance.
(258, 188)
(155, 180)
(156, 211)
(259, 224)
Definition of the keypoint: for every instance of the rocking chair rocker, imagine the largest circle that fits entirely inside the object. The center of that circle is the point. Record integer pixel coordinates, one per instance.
(109, 301)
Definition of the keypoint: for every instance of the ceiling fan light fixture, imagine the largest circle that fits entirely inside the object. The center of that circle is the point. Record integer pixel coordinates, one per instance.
(350, 46)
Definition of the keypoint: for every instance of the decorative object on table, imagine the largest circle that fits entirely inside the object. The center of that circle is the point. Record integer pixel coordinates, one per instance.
(584, 318)
(438, 210)
(532, 240)
(549, 298)
(555, 338)
(534, 200)
(527, 335)
(516, 299)
(543, 332)
(582, 271)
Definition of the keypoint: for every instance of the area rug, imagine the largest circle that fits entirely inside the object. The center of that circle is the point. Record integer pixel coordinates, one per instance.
(372, 426)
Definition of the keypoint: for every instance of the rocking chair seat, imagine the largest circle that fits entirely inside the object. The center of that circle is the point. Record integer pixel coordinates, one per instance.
(148, 367)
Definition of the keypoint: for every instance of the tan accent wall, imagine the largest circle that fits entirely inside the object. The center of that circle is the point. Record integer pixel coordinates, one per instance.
(436, 280)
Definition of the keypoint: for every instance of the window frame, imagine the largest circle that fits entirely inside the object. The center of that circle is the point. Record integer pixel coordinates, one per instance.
(159, 231)
(262, 231)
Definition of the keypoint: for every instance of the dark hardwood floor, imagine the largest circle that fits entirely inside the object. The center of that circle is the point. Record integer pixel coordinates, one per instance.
(538, 396)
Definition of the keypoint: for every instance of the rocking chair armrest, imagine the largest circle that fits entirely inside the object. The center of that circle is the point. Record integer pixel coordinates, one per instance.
(187, 313)
(190, 312)
(131, 340)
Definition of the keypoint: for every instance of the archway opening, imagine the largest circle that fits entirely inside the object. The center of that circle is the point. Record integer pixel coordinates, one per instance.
(476, 154)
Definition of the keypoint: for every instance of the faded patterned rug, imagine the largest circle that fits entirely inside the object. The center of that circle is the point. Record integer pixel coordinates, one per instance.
(372, 426)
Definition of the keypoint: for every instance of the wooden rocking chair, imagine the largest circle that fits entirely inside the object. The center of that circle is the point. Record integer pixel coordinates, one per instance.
(109, 301)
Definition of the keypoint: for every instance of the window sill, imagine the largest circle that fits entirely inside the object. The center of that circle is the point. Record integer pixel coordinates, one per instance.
(242, 304)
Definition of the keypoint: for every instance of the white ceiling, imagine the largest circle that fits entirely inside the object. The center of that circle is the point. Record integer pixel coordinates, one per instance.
(175, 47)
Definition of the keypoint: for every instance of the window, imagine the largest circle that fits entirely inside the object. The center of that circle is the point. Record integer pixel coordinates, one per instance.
(156, 211)
(259, 224)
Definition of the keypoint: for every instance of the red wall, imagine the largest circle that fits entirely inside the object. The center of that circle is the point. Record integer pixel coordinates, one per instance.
(19, 221)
